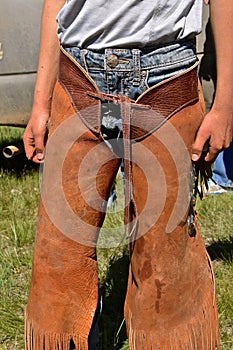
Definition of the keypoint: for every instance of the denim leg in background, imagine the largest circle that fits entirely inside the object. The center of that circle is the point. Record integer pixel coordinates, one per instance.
(129, 72)
(223, 168)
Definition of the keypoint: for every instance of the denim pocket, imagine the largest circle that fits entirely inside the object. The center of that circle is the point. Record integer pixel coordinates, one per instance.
(158, 73)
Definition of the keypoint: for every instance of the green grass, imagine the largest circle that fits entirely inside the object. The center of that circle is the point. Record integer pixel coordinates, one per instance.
(19, 191)
(216, 225)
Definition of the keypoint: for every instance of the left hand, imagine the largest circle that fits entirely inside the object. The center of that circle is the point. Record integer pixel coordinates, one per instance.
(216, 130)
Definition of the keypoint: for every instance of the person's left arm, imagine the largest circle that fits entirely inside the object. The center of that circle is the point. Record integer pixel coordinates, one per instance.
(217, 127)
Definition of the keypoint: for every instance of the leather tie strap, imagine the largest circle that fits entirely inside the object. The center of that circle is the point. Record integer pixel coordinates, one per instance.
(125, 109)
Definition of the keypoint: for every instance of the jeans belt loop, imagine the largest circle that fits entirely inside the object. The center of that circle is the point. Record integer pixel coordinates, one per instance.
(83, 61)
(136, 66)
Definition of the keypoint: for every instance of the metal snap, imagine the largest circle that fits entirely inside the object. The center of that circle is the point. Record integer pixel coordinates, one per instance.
(112, 60)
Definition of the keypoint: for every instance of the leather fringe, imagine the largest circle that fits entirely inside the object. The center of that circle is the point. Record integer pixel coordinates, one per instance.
(200, 334)
(36, 339)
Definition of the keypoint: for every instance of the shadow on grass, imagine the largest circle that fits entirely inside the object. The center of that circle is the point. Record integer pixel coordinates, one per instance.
(112, 332)
(221, 250)
(17, 164)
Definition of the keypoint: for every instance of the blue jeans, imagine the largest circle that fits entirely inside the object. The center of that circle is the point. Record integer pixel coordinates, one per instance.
(130, 72)
(223, 168)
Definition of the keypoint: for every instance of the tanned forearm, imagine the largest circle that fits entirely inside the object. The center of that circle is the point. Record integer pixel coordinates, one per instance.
(221, 14)
(49, 53)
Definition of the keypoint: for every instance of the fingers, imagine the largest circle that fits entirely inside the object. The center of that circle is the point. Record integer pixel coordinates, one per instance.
(34, 143)
(214, 135)
(203, 146)
(210, 149)
(39, 148)
(209, 145)
(200, 145)
(211, 155)
(28, 146)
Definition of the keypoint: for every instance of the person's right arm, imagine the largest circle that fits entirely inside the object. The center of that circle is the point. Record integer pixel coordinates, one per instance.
(34, 135)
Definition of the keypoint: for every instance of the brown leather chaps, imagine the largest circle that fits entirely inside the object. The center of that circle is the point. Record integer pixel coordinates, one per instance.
(170, 302)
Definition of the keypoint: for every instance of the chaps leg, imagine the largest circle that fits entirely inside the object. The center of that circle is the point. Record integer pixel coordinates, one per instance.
(78, 172)
(170, 302)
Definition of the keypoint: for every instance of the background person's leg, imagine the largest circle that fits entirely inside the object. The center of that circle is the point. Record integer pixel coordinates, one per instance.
(223, 169)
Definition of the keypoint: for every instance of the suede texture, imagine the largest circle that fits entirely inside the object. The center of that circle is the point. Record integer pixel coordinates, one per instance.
(170, 301)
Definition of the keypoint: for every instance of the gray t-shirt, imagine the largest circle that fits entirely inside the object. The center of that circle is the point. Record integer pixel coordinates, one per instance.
(100, 24)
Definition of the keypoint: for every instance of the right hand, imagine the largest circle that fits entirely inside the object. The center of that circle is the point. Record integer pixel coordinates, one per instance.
(35, 135)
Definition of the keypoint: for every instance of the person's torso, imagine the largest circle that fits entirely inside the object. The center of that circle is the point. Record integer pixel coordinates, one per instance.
(100, 24)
